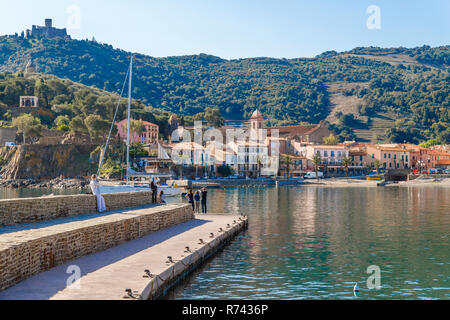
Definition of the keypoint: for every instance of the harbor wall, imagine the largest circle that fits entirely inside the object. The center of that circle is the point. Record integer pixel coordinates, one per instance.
(29, 210)
(29, 252)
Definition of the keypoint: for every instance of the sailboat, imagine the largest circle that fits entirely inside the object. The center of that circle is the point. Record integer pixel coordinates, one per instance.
(130, 186)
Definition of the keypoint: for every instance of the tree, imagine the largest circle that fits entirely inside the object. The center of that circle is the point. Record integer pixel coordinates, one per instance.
(430, 143)
(287, 161)
(346, 162)
(317, 160)
(225, 170)
(96, 126)
(77, 125)
(259, 162)
(214, 117)
(136, 127)
(378, 165)
(331, 140)
(62, 123)
(28, 125)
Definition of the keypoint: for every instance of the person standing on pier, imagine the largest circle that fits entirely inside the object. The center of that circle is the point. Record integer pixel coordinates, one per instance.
(95, 187)
(154, 191)
(197, 199)
(190, 197)
(204, 201)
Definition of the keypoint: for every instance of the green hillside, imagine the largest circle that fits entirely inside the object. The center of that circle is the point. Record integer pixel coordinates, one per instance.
(411, 83)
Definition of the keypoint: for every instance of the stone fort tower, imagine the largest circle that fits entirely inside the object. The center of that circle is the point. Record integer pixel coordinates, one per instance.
(46, 31)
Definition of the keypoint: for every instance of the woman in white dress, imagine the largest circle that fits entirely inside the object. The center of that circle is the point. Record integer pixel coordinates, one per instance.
(95, 187)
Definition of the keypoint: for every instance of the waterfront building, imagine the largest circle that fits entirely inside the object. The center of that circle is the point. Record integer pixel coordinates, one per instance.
(251, 157)
(419, 157)
(392, 156)
(149, 135)
(331, 156)
(314, 133)
(436, 158)
(190, 154)
(292, 165)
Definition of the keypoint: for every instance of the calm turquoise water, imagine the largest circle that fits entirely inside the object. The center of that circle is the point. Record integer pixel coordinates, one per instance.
(316, 243)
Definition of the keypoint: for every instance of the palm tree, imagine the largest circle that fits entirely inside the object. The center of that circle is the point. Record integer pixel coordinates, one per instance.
(378, 165)
(287, 161)
(346, 162)
(317, 160)
(259, 162)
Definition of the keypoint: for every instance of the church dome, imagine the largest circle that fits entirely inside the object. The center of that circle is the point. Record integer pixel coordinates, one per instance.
(257, 115)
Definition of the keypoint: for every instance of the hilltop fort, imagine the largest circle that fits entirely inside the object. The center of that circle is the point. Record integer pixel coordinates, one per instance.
(46, 31)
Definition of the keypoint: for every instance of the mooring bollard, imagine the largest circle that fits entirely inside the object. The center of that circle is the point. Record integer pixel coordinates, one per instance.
(170, 260)
(147, 274)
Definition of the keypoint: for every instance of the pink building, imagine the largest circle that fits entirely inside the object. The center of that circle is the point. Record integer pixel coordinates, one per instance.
(149, 135)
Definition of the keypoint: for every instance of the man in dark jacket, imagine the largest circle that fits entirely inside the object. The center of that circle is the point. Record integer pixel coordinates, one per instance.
(204, 201)
(154, 192)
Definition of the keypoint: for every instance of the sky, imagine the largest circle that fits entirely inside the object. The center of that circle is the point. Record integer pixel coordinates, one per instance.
(234, 29)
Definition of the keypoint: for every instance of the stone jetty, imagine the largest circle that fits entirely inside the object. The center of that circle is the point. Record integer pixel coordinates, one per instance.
(137, 252)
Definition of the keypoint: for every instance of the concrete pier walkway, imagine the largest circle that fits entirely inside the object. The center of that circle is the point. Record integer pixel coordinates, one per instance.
(107, 274)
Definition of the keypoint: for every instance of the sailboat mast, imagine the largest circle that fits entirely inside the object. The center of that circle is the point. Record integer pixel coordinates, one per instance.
(129, 119)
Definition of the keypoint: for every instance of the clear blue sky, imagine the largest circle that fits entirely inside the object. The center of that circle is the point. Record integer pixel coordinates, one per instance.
(239, 28)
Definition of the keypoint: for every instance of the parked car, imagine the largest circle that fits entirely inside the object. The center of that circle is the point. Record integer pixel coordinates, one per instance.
(312, 175)
(436, 171)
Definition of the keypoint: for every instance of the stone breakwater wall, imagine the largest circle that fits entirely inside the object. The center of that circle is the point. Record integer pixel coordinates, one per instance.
(30, 210)
(29, 252)
(160, 284)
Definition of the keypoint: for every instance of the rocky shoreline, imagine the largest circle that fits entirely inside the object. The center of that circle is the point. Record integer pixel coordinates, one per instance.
(59, 184)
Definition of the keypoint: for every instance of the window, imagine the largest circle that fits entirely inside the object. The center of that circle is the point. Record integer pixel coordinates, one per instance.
(361, 159)
(373, 155)
(325, 153)
(390, 164)
(332, 154)
(385, 155)
(389, 155)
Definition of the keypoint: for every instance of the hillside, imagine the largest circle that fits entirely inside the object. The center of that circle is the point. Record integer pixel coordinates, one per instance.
(410, 83)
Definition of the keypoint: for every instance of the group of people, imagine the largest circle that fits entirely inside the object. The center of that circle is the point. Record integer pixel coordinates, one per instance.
(197, 199)
(161, 198)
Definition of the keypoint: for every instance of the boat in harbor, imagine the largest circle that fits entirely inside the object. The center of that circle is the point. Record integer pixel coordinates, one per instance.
(135, 181)
(374, 177)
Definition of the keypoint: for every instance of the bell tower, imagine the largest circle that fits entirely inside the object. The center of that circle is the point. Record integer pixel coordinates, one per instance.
(256, 121)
